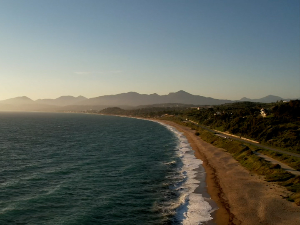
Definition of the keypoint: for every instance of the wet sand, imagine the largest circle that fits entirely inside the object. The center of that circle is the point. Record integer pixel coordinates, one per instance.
(242, 197)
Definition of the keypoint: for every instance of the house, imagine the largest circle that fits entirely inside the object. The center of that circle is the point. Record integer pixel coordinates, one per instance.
(263, 112)
(217, 113)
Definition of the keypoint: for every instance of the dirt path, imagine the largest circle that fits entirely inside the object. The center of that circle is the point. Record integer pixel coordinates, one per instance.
(274, 161)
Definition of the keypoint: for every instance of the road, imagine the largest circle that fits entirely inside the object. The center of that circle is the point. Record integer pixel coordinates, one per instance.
(273, 161)
(249, 142)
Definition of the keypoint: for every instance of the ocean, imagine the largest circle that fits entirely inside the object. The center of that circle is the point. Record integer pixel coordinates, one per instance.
(64, 168)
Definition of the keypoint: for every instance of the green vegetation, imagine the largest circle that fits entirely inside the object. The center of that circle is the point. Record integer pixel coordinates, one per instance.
(244, 154)
(148, 112)
(279, 128)
(278, 125)
(292, 161)
(246, 157)
(294, 186)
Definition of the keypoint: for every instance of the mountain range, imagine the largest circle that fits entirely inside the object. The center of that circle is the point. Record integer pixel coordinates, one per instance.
(62, 101)
(267, 99)
(124, 100)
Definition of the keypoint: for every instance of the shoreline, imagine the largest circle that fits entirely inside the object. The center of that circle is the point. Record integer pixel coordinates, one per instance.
(242, 197)
(222, 215)
(199, 206)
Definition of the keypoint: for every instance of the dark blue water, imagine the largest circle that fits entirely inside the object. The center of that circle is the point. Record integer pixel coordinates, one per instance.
(86, 169)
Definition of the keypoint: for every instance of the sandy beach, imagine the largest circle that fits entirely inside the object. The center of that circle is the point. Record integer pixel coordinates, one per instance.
(242, 197)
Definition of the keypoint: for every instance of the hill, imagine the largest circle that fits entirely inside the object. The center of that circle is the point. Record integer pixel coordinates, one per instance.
(267, 99)
(17, 101)
(62, 101)
(136, 99)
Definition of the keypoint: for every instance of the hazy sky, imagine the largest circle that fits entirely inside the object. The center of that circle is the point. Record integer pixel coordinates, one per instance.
(225, 49)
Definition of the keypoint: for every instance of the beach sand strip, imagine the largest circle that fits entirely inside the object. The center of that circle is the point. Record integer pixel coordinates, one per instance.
(242, 197)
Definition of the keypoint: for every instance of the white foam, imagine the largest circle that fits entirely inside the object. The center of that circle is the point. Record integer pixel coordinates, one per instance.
(198, 210)
(193, 209)
(170, 163)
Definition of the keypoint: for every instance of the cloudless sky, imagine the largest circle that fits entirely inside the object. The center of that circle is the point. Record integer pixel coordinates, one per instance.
(225, 49)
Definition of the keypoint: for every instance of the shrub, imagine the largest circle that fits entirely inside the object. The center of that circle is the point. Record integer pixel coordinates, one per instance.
(279, 176)
(295, 198)
(246, 157)
(276, 166)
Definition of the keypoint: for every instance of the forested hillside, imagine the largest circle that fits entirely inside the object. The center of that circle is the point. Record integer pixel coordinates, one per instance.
(279, 126)
(274, 124)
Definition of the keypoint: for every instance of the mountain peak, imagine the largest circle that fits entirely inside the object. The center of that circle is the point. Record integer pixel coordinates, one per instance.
(266, 99)
(62, 100)
(245, 99)
(181, 92)
(18, 100)
(131, 93)
(24, 98)
(272, 96)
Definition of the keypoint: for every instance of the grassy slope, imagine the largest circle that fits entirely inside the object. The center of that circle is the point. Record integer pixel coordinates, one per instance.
(245, 156)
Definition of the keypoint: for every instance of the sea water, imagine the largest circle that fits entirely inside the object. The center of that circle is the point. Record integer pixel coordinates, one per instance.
(58, 168)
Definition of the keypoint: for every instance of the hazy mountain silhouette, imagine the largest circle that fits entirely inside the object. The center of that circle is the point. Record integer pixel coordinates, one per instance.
(24, 104)
(124, 100)
(135, 99)
(267, 99)
(62, 101)
(18, 101)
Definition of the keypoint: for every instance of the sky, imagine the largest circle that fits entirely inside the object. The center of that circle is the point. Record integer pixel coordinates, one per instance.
(225, 49)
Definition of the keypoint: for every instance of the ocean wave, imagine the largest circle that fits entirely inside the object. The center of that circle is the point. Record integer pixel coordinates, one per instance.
(191, 208)
(171, 163)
